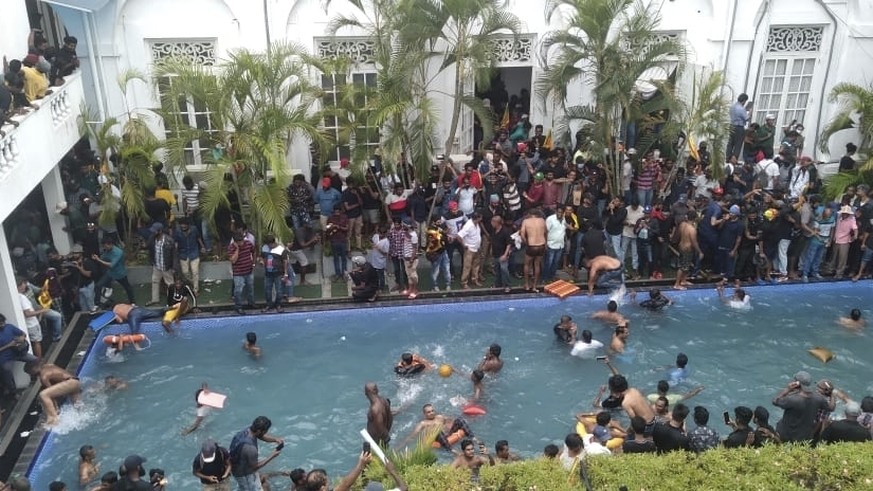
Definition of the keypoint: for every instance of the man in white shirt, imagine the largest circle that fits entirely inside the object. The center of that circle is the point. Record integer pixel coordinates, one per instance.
(770, 169)
(31, 318)
(798, 180)
(470, 236)
(556, 231)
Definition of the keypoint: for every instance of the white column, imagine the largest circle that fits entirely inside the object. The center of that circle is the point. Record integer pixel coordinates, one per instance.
(9, 304)
(53, 192)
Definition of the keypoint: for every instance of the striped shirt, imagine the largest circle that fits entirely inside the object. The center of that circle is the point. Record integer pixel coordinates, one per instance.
(647, 176)
(245, 262)
(191, 199)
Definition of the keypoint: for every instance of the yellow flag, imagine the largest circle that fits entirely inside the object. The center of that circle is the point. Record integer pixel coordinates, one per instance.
(549, 143)
(504, 121)
(45, 298)
(692, 148)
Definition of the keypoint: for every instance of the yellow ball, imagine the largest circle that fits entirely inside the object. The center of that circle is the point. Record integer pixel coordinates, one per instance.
(445, 370)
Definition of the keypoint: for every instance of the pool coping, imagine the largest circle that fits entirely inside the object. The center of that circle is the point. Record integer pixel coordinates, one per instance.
(71, 357)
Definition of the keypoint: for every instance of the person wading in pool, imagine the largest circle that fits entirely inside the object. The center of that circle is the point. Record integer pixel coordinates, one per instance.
(854, 321)
(250, 345)
(629, 399)
(492, 362)
(379, 417)
(619, 338)
(437, 422)
(469, 460)
(610, 315)
(533, 235)
(566, 330)
(686, 235)
(605, 272)
(244, 453)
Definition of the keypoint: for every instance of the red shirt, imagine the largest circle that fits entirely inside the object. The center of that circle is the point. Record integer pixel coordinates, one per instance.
(475, 179)
(245, 262)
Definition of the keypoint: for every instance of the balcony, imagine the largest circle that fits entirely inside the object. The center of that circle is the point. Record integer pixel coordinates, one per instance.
(30, 151)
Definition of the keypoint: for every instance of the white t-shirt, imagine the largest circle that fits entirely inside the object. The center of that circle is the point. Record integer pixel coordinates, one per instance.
(556, 230)
(586, 350)
(471, 236)
(633, 216)
(771, 168)
(26, 304)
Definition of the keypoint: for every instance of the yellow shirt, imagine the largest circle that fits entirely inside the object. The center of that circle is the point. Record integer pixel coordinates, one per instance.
(167, 195)
(35, 83)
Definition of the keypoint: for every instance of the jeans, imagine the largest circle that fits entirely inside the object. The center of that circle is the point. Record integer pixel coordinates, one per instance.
(400, 279)
(287, 285)
(632, 241)
(645, 196)
(783, 255)
(550, 265)
(105, 281)
(644, 249)
(724, 263)
(441, 264)
(501, 273)
(577, 257)
(615, 242)
(273, 290)
(340, 251)
(56, 321)
(86, 297)
(241, 282)
(812, 259)
(249, 482)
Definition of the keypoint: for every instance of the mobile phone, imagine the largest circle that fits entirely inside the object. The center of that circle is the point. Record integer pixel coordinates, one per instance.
(280, 446)
(366, 447)
(600, 358)
(727, 417)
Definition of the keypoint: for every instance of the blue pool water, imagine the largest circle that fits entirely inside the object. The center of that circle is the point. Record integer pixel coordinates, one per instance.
(310, 379)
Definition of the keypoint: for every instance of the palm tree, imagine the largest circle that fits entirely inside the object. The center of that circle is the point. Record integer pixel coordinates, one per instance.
(707, 117)
(855, 111)
(258, 103)
(610, 45)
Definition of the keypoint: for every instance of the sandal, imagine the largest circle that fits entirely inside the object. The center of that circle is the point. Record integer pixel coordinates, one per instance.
(413, 296)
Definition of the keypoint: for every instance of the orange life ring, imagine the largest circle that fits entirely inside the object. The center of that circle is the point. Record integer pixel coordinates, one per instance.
(119, 341)
(452, 439)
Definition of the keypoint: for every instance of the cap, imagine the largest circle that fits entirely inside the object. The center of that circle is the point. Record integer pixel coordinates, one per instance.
(325, 182)
(770, 116)
(735, 210)
(601, 433)
(494, 198)
(853, 408)
(30, 59)
(61, 206)
(359, 260)
(156, 227)
(847, 209)
(133, 461)
(207, 451)
(76, 249)
(522, 147)
(803, 378)
(539, 176)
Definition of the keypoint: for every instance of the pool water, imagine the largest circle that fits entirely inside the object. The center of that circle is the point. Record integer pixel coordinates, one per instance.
(311, 376)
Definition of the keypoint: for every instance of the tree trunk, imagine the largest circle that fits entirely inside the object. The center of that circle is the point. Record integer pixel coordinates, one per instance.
(456, 105)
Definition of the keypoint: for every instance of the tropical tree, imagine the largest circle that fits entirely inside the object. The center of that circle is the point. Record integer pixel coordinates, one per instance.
(258, 103)
(855, 111)
(609, 45)
(707, 117)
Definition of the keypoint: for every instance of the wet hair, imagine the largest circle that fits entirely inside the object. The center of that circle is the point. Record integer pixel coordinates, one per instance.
(603, 418)
(742, 415)
(316, 479)
(617, 383)
(110, 477)
(84, 450)
(297, 476)
(664, 400)
(466, 442)
(741, 294)
(867, 404)
(680, 412)
(586, 336)
(251, 338)
(501, 445)
(566, 318)
(701, 416)
(406, 357)
(551, 451)
(762, 416)
(261, 424)
(855, 314)
(478, 375)
(681, 360)
(663, 386)
(495, 350)
(638, 424)
(573, 441)
(57, 486)
(612, 306)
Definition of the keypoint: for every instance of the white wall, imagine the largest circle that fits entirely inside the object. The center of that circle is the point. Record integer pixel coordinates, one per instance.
(14, 31)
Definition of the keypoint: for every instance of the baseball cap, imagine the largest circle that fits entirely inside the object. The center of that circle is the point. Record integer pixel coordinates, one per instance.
(494, 198)
(803, 377)
(770, 116)
(359, 260)
(539, 176)
(601, 433)
(76, 249)
(207, 451)
(735, 210)
(133, 461)
(522, 147)
(853, 408)
(647, 209)
(156, 227)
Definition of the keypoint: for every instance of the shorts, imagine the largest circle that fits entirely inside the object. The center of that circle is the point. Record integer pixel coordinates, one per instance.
(611, 278)
(535, 251)
(371, 216)
(411, 266)
(867, 256)
(35, 333)
(299, 257)
(686, 261)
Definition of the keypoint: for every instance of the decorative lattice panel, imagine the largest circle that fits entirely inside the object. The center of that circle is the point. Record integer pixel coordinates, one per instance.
(512, 50)
(358, 50)
(790, 39)
(196, 52)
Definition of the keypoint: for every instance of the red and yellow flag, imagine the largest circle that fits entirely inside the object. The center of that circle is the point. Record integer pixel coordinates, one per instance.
(504, 121)
(692, 148)
(549, 143)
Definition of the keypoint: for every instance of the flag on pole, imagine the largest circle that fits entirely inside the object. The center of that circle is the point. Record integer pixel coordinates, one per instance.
(504, 121)
(549, 142)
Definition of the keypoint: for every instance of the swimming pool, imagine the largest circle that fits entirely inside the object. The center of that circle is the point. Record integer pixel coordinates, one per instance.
(310, 379)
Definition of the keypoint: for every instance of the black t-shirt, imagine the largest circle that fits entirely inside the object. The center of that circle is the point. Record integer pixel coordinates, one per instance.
(847, 163)
(633, 446)
(370, 203)
(669, 438)
(845, 430)
(352, 197)
(615, 220)
(499, 241)
(158, 210)
(125, 484)
(737, 438)
(214, 468)
(586, 215)
(761, 438)
(592, 243)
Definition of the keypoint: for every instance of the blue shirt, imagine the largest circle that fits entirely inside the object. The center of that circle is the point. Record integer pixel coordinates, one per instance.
(739, 116)
(7, 334)
(115, 258)
(187, 244)
(327, 200)
(677, 375)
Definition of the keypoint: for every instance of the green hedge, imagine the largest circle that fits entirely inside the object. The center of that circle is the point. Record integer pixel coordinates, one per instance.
(786, 467)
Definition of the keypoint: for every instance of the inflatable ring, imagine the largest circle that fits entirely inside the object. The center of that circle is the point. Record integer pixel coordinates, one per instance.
(452, 439)
(120, 341)
(823, 354)
(474, 410)
(611, 444)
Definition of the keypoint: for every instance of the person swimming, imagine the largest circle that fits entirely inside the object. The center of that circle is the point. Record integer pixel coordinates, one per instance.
(854, 321)
(411, 364)
(566, 330)
(586, 347)
(739, 300)
(249, 345)
(610, 315)
(656, 301)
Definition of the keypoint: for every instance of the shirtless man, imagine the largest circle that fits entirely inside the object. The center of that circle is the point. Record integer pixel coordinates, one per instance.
(134, 316)
(379, 417)
(88, 465)
(250, 345)
(58, 384)
(631, 400)
(533, 235)
(492, 362)
(566, 329)
(605, 272)
(610, 315)
(476, 377)
(437, 422)
(469, 460)
(619, 339)
(686, 234)
(854, 321)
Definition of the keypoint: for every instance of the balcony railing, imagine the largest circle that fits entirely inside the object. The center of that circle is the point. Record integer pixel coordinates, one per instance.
(31, 150)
